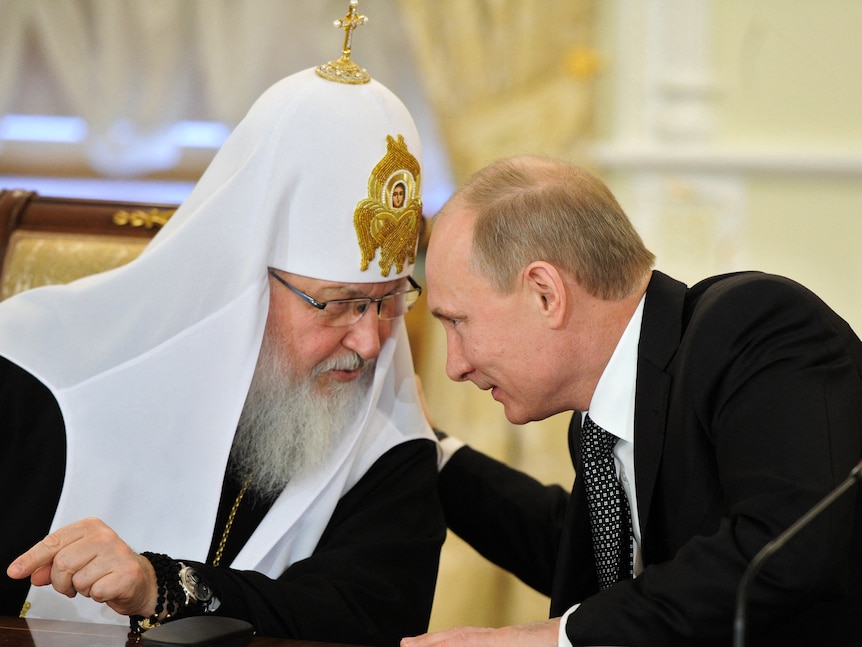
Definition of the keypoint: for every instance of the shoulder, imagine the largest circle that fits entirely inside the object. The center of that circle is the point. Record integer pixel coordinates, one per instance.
(742, 287)
(754, 311)
(11, 373)
(734, 299)
(402, 484)
(22, 392)
(724, 311)
(413, 461)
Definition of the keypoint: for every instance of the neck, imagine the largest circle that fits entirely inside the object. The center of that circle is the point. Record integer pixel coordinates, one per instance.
(595, 334)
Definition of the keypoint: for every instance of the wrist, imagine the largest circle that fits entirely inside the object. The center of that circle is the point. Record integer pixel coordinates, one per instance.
(198, 595)
(168, 597)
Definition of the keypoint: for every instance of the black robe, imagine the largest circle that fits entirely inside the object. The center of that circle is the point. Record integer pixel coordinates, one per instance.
(370, 580)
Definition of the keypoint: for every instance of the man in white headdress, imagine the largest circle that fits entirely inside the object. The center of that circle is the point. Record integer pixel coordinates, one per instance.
(239, 401)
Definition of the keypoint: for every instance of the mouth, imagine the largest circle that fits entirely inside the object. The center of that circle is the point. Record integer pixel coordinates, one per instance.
(341, 375)
(344, 369)
(493, 389)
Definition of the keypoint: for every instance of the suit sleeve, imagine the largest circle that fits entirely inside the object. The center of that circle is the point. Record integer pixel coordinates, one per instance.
(371, 578)
(507, 516)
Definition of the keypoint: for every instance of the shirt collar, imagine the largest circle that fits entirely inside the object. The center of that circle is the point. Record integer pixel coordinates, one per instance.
(613, 404)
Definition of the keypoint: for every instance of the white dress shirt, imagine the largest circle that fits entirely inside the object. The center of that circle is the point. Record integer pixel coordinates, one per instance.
(613, 408)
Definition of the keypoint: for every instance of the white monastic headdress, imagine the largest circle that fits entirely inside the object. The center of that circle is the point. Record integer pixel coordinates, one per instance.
(151, 362)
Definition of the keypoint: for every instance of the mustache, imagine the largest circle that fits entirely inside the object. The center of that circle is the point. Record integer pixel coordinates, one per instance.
(352, 361)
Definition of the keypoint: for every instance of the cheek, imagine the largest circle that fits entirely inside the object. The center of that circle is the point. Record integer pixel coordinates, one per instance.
(385, 328)
(297, 337)
(309, 350)
(319, 345)
(479, 350)
(510, 358)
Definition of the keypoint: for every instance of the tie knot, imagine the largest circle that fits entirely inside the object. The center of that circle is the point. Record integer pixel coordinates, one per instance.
(596, 441)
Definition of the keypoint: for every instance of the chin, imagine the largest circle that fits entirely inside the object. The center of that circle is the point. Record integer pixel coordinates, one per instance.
(523, 416)
(325, 388)
(516, 417)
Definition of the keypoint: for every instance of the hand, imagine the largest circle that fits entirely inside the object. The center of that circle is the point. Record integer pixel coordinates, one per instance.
(536, 634)
(89, 558)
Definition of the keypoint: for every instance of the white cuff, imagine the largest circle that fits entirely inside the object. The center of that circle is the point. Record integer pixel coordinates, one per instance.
(446, 448)
(563, 638)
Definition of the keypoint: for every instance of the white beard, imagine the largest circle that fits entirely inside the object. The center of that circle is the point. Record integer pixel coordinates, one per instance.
(288, 425)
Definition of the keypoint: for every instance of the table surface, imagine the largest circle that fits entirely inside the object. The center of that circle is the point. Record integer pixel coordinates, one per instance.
(15, 632)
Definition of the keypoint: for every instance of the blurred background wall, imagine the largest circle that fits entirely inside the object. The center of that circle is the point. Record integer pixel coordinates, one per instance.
(730, 130)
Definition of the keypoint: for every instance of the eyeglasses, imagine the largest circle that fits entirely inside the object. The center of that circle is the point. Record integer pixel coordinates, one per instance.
(346, 312)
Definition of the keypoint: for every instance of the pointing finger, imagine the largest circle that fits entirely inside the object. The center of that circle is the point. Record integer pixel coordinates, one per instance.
(42, 554)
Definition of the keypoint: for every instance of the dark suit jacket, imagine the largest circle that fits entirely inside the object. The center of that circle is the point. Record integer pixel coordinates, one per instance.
(748, 411)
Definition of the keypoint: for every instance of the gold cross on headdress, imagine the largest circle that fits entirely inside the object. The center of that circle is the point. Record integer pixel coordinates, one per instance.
(344, 70)
(349, 23)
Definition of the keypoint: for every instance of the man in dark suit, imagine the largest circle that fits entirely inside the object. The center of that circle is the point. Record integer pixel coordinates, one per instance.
(733, 407)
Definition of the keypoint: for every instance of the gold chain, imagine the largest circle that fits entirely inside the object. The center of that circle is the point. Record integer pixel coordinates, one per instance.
(230, 519)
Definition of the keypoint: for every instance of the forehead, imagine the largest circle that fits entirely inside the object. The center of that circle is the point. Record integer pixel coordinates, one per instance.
(450, 278)
(451, 240)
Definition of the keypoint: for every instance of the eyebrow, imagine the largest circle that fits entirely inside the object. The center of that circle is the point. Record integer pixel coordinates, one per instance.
(341, 290)
(437, 313)
(357, 293)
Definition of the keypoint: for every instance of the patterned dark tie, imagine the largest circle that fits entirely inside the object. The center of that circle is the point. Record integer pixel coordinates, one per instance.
(610, 517)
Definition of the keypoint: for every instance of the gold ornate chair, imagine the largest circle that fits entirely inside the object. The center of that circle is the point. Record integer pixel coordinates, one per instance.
(46, 240)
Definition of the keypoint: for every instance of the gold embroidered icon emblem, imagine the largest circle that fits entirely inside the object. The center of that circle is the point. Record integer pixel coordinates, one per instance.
(389, 218)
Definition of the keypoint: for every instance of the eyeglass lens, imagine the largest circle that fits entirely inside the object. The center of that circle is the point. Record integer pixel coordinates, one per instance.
(348, 311)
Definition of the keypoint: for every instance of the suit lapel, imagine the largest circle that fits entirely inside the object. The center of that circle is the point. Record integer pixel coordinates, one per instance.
(661, 330)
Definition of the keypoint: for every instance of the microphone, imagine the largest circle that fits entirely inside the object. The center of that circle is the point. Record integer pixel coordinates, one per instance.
(773, 546)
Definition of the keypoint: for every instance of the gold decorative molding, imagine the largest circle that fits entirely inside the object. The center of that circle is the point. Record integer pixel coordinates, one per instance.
(152, 219)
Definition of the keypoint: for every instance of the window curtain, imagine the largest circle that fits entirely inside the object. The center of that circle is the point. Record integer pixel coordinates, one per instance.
(104, 61)
(505, 76)
(132, 69)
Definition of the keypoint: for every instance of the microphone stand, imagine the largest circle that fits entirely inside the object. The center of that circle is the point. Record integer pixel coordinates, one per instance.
(767, 551)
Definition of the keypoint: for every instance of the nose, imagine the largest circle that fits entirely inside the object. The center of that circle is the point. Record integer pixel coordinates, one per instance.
(457, 366)
(367, 335)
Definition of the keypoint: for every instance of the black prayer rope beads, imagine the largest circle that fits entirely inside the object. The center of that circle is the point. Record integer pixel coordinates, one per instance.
(170, 594)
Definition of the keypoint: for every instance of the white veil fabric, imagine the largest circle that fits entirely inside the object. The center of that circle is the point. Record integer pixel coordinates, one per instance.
(151, 363)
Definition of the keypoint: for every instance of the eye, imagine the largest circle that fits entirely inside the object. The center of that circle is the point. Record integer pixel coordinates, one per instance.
(337, 308)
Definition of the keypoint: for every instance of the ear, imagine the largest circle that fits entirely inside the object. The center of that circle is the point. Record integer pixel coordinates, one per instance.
(547, 290)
